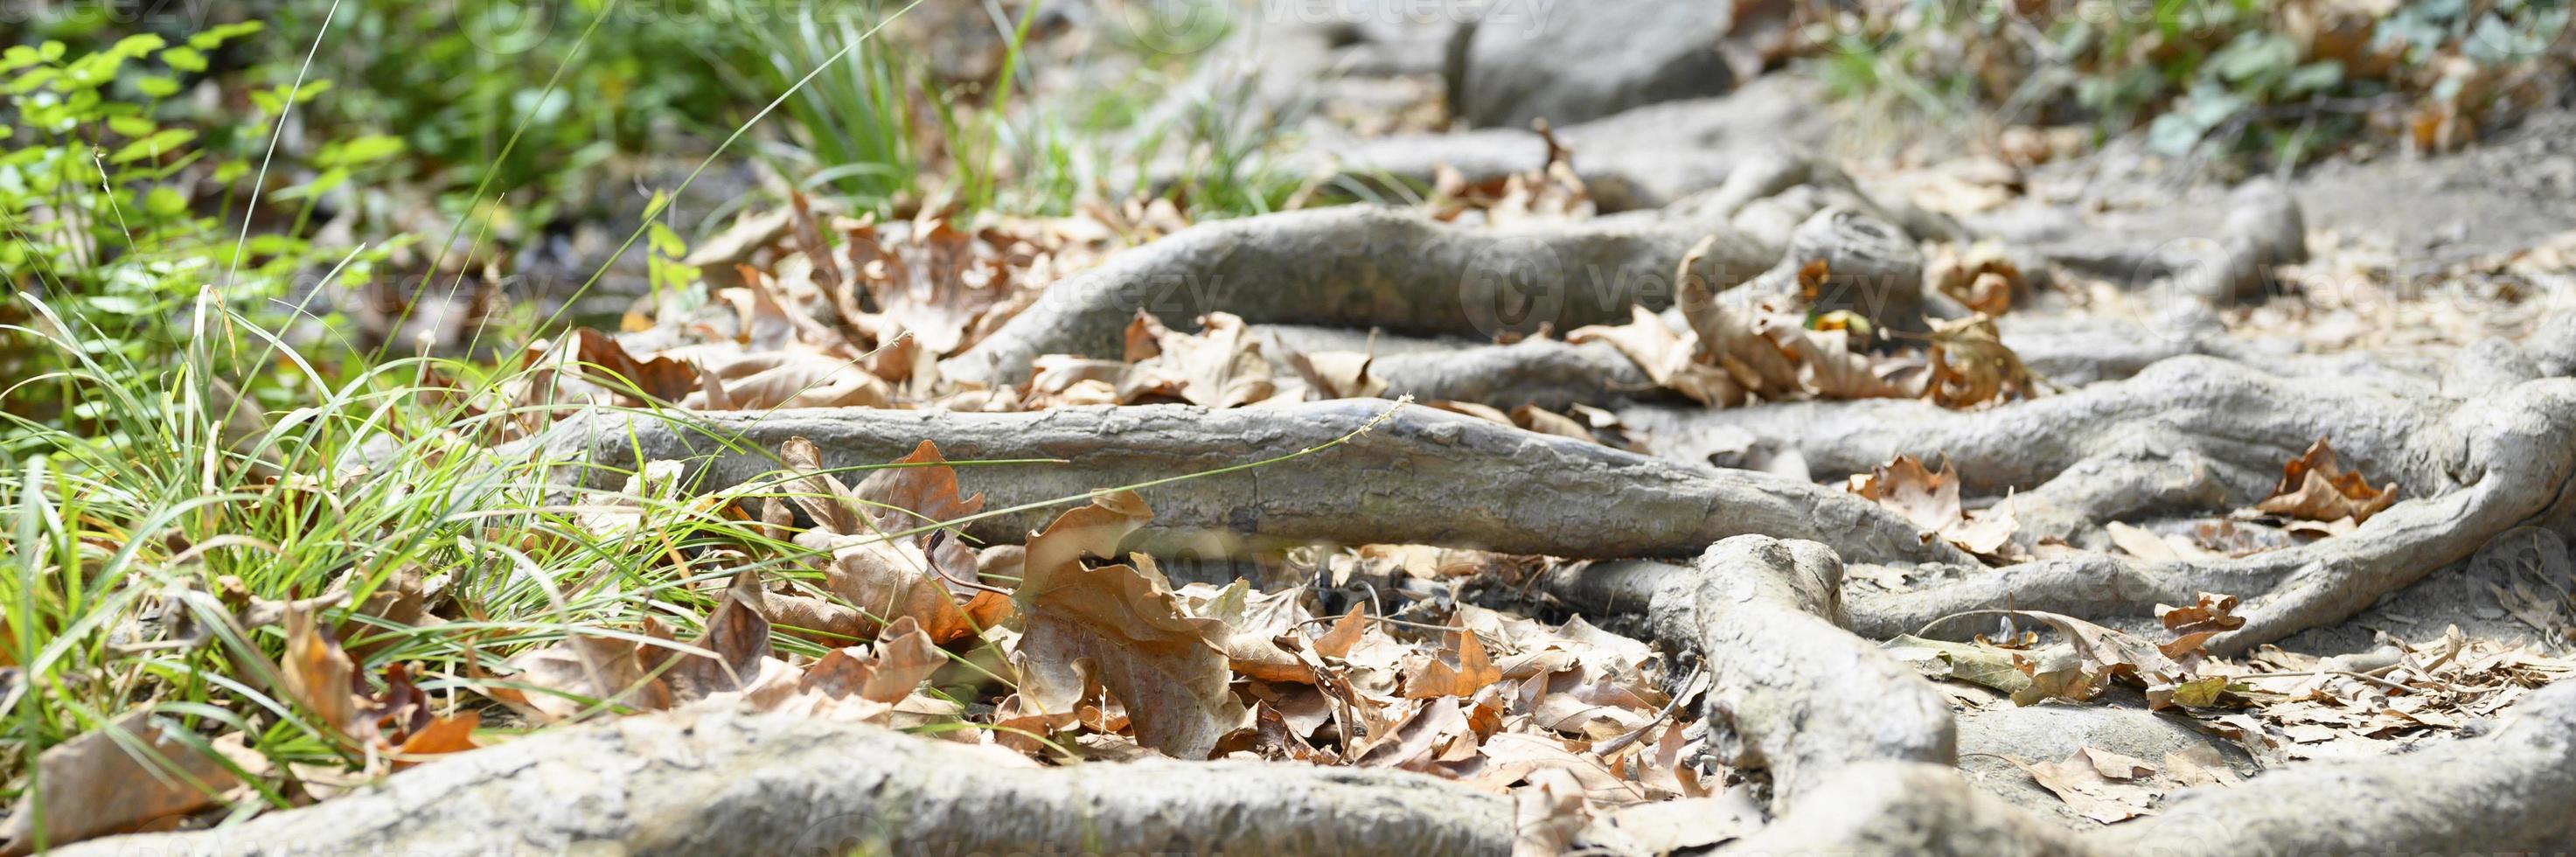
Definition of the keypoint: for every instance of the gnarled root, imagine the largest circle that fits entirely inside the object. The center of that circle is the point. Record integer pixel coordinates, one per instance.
(715, 783)
(2513, 456)
(2502, 793)
(1359, 266)
(1419, 476)
(1793, 693)
(2234, 415)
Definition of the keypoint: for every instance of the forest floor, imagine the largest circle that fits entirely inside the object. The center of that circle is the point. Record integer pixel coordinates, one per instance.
(1701, 475)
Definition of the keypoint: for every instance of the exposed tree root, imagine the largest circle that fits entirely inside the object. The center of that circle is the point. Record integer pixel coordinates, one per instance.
(713, 783)
(1908, 808)
(1360, 266)
(2505, 792)
(2224, 264)
(1793, 692)
(1422, 476)
(2491, 465)
(2234, 415)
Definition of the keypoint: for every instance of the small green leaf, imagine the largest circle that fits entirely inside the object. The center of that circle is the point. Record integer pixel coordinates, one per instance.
(184, 58)
(358, 150)
(210, 39)
(166, 140)
(157, 86)
(164, 202)
(138, 44)
(328, 181)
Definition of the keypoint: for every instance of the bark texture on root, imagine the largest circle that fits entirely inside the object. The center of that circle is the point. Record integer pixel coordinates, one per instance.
(2513, 456)
(2505, 792)
(1422, 476)
(1907, 808)
(2234, 415)
(1359, 266)
(1792, 692)
(1548, 373)
(715, 783)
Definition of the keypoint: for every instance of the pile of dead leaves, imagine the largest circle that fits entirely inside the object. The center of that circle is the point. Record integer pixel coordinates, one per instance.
(1733, 352)
(1067, 647)
(1930, 500)
(2276, 705)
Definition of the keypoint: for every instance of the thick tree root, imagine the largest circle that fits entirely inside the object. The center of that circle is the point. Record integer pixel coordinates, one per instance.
(1420, 476)
(2190, 432)
(715, 783)
(1793, 693)
(2504, 793)
(1359, 266)
(2068, 351)
(1911, 809)
(2236, 416)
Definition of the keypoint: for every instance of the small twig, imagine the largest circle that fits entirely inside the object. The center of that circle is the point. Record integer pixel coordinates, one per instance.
(1615, 745)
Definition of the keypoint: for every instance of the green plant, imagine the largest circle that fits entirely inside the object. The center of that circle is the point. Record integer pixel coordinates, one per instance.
(112, 204)
(2277, 79)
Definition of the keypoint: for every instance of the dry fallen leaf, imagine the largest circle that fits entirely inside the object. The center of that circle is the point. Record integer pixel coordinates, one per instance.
(1548, 814)
(92, 786)
(1127, 629)
(319, 675)
(2086, 781)
(1437, 677)
(2316, 487)
(1972, 366)
(1927, 498)
(1221, 366)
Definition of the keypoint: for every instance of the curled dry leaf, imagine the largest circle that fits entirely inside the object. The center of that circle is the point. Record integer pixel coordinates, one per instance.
(882, 575)
(1665, 357)
(1929, 499)
(2316, 487)
(1971, 365)
(1221, 366)
(1436, 676)
(1981, 277)
(903, 657)
(1125, 627)
(2096, 784)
